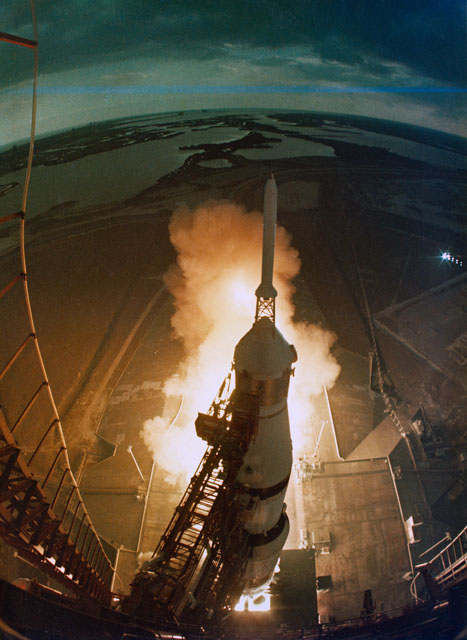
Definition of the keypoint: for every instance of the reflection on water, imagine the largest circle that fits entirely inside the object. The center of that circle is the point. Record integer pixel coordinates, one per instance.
(112, 175)
(402, 146)
(288, 148)
(220, 163)
(124, 172)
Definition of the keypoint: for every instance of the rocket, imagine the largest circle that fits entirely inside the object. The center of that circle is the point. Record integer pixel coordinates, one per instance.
(263, 365)
(226, 535)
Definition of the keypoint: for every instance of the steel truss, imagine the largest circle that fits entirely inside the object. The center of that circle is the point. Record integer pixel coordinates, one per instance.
(28, 523)
(33, 491)
(266, 308)
(197, 567)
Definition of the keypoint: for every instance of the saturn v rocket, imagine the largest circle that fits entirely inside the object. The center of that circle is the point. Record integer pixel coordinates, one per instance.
(226, 535)
(263, 364)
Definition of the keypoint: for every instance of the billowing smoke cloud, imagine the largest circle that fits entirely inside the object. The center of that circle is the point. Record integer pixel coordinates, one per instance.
(219, 247)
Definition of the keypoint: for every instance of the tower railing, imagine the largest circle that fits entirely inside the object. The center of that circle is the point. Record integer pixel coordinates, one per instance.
(450, 564)
(446, 569)
(42, 513)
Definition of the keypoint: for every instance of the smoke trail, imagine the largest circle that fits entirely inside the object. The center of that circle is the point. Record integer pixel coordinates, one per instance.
(218, 268)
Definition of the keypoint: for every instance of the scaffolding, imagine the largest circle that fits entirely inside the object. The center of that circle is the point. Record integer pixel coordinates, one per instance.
(42, 513)
(196, 570)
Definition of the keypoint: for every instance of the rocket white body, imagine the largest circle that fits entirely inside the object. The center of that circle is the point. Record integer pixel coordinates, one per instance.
(263, 365)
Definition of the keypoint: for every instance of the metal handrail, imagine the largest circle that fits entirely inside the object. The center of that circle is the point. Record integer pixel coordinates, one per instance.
(450, 562)
(67, 492)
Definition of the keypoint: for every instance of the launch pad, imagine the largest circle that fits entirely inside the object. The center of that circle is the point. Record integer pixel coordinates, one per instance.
(353, 409)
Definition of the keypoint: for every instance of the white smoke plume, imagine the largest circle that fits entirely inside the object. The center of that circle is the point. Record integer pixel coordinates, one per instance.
(218, 269)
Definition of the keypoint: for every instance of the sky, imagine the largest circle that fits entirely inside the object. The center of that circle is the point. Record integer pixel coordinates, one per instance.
(403, 60)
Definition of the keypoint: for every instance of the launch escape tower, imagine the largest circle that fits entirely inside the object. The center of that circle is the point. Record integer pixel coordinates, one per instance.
(226, 535)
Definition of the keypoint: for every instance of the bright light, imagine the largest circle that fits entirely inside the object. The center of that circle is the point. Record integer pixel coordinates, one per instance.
(242, 295)
(261, 602)
(218, 271)
(446, 255)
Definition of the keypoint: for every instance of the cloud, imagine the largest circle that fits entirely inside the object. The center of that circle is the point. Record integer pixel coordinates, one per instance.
(144, 49)
(444, 112)
(126, 77)
(427, 36)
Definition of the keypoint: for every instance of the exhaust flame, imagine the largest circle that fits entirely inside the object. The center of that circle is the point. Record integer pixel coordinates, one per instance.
(219, 247)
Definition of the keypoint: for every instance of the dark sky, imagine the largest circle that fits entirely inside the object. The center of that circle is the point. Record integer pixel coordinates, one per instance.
(120, 57)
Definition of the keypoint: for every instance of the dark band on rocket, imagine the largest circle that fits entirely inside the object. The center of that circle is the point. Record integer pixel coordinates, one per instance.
(258, 539)
(268, 492)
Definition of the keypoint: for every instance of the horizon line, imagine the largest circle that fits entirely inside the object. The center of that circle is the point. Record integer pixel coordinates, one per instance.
(224, 89)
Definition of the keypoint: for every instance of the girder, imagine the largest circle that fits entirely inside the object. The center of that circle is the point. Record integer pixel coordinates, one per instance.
(40, 515)
(200, 559)
(29, 523)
